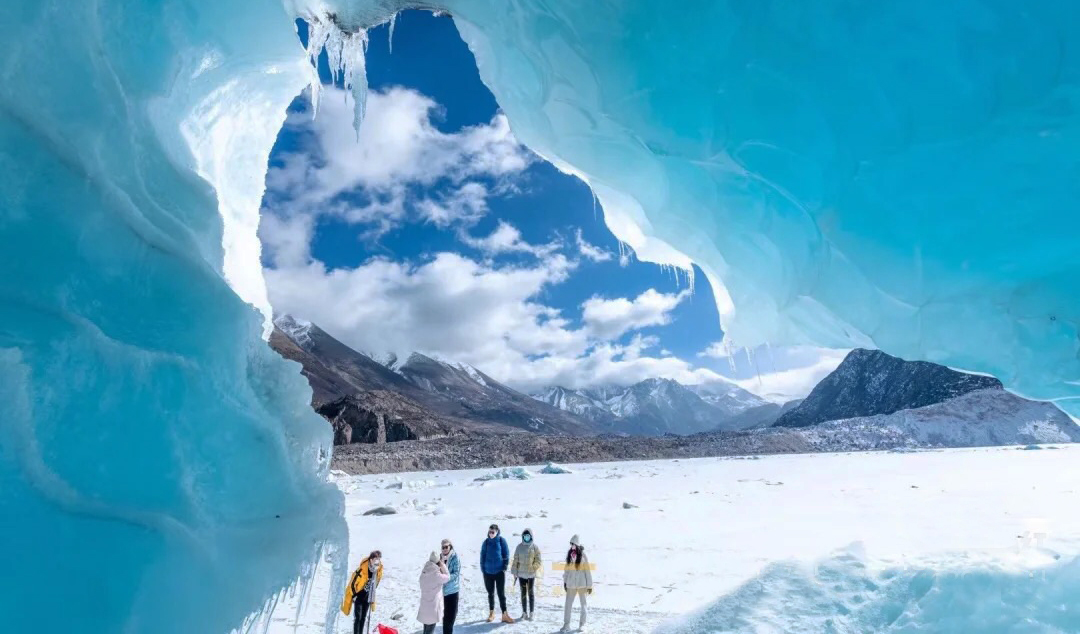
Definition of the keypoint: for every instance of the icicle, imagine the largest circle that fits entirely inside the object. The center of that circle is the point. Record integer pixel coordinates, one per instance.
(346, 54)
(390, 38)
(729, 352)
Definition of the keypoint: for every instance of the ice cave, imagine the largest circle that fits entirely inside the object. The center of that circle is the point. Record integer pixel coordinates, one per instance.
(896, 175)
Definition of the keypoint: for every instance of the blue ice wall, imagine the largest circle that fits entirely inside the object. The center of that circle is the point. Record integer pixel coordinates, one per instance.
(160, 468)
(903, 174)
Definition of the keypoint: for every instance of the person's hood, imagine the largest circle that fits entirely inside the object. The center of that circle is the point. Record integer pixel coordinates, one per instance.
(433, 557)
(526, 532)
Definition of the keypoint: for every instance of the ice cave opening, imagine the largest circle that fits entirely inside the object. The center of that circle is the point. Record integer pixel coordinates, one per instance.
(904, 177)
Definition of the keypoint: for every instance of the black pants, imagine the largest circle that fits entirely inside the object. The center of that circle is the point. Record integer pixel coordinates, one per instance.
(449, 613)
(528, 599)
(429, 629)
(360, 612)
(494, 582)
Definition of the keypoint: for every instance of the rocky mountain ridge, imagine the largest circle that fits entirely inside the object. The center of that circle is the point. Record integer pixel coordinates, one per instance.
(871, 382)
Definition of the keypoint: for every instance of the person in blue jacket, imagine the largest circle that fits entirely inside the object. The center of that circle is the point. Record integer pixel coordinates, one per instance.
(451, 587)
(494, 560)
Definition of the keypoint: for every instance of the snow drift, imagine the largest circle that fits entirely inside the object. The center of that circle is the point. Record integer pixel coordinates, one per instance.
(847, 175)
(845, 594)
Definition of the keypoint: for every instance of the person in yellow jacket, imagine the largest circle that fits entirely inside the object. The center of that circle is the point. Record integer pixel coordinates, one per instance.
(361, 590)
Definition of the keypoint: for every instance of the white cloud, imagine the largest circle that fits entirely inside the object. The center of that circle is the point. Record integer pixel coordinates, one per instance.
(715, 350)
(507, 239)
(286, 240)
(777, 374)
(610, 318)
(464, 205)
(610, 363)
(451, 305)
(590, 251)
(403, 169)
(486, 315)
(398, 148)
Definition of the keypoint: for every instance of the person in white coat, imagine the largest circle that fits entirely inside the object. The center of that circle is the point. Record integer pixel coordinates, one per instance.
(577, 581)
(432, 579)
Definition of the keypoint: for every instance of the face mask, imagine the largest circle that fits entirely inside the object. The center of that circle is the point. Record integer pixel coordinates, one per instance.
(527, 538)
(373, 563)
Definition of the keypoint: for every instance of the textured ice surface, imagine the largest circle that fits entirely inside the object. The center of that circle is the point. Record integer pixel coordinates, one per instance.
(902, 175)
(161, 469)
(844, 594)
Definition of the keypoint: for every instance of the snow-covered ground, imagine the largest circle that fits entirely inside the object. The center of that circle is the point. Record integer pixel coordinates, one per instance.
(800, 543)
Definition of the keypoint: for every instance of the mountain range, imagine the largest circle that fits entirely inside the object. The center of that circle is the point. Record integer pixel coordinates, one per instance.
(871, 400)
(432, 398)
(654, 407)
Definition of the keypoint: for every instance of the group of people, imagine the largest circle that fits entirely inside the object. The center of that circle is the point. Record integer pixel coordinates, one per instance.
(440, 582)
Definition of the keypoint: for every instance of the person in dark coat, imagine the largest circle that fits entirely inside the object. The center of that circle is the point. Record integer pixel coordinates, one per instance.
(494, 560)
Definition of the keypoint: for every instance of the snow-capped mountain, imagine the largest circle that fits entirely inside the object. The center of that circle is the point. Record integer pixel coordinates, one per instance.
(295, 329)
(980, 418)
(438, 397)
(653, 406)
(727, 397)
(870, 382)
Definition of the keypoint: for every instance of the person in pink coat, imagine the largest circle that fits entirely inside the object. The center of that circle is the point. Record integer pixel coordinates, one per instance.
(432, 579)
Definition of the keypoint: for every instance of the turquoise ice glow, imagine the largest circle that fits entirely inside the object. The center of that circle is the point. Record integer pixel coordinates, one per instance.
(904, 175)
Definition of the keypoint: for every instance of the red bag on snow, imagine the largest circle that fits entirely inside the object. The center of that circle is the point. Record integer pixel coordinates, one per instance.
(382, 629)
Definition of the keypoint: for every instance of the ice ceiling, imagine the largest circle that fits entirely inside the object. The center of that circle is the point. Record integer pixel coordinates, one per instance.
(904, 175)
(899, 175)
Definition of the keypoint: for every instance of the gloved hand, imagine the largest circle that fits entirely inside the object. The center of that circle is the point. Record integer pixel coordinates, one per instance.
(588, 590)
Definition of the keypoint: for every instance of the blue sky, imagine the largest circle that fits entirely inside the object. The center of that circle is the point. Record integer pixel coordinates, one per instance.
(436, 231)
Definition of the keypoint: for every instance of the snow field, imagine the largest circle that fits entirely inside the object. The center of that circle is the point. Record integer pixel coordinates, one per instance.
(839, 533)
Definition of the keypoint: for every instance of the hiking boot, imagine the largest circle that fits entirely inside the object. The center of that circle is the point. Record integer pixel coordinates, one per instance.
(491, 616)
(506, 618)
(529, 616)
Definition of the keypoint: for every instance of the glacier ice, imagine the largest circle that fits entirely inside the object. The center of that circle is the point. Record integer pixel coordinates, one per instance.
(162, 470)
(901, 175)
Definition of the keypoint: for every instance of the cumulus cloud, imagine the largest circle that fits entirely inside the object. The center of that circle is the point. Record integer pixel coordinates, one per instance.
(609, 318)
(492, 315)
(450, 305)
(372, 179)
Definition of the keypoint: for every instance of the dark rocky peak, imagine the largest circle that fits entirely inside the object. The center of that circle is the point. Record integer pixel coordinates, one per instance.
(871, 382)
